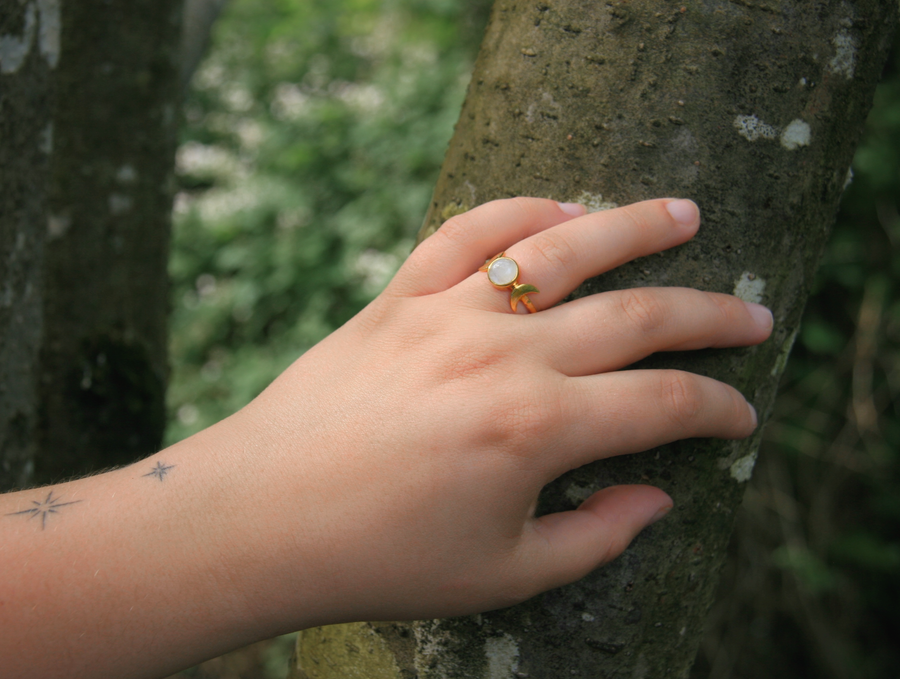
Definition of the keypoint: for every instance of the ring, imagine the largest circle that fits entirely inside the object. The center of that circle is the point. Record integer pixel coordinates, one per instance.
(503, 273)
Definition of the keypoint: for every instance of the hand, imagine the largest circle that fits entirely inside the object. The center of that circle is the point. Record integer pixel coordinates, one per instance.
(400, 460)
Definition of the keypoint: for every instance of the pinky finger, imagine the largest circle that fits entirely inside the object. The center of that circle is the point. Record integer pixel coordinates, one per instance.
(566, 546)
(634, 410)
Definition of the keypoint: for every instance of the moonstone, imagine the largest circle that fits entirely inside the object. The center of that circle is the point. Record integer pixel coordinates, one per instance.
(503, 271)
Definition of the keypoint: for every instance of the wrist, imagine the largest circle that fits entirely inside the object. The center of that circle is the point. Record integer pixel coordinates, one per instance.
(263, 532)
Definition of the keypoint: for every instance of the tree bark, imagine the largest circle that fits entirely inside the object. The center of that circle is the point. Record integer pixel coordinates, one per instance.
(103, 357)
(752, 109)
(29, 51)
(199, 18)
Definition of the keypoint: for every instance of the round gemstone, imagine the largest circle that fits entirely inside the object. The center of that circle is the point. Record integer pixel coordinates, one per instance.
(503, 271)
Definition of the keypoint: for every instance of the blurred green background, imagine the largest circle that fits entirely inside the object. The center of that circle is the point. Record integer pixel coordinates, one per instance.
(314, 132)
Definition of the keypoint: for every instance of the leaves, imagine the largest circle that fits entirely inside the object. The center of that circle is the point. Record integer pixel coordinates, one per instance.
(315, 132)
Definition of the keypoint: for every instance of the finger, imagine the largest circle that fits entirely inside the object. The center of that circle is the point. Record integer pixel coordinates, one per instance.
(465, 241)
(611, 330)
(566, 546)
(556, 260)
(635, 410)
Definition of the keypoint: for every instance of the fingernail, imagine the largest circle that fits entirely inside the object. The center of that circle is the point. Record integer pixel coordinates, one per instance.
(761, 315)
(660, 513)
(574, 209)
(685, 212)
(753, 414)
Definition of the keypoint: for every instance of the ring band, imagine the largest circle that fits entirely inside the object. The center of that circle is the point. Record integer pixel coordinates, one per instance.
(503, 273)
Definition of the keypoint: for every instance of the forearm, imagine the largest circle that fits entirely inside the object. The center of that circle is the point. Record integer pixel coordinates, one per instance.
(137, 572)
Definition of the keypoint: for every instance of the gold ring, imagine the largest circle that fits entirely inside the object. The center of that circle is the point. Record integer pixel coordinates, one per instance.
(503, 273)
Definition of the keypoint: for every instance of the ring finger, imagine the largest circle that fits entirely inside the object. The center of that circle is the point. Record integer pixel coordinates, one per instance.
(558, 259)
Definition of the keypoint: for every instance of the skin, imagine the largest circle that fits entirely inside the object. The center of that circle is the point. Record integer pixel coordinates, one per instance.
(392, 471)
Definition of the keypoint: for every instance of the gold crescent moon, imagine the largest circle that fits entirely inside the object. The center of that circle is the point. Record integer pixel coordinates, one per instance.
(520, 293)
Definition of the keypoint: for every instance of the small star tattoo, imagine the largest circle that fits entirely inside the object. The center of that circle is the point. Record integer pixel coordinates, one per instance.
(160, 470)
(42, 509)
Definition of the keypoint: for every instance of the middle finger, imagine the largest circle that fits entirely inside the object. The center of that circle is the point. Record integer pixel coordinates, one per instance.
(611, 330)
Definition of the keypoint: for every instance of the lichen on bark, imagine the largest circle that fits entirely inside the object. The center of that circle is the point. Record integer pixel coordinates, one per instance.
(753, 110)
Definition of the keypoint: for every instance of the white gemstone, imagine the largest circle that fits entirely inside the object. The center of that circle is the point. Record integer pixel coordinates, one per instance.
(503, 271)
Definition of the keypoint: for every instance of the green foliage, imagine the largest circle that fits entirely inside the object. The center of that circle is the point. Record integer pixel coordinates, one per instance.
(315, 132)
(811, 571)
(819, 336)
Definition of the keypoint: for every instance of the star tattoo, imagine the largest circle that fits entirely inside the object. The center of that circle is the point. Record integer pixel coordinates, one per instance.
(49, 506)
(160, 470)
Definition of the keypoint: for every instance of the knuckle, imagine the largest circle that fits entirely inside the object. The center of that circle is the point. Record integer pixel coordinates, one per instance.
(516, 422)
(453, 232)
(522, 204)
(555, 250)
(731, 309)
(636, 218)
(644, 310)
(528, 209)
(682, 396)
(526, 420)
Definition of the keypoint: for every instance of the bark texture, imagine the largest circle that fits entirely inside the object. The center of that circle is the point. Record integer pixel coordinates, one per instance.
(29, 51)
(103, 359)
(752, 109)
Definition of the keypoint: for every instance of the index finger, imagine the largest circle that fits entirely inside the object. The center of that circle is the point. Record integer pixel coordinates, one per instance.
(465, 241)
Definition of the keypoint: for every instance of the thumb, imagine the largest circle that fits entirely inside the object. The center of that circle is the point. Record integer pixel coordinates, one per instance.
(568, 545)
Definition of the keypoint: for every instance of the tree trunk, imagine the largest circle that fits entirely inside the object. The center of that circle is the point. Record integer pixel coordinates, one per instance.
(752, 109)
(103, 358)
(29, 50)
(199, 18)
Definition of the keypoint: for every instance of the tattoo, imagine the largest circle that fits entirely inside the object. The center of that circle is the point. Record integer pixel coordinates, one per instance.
(42, 509)
(160, 470)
